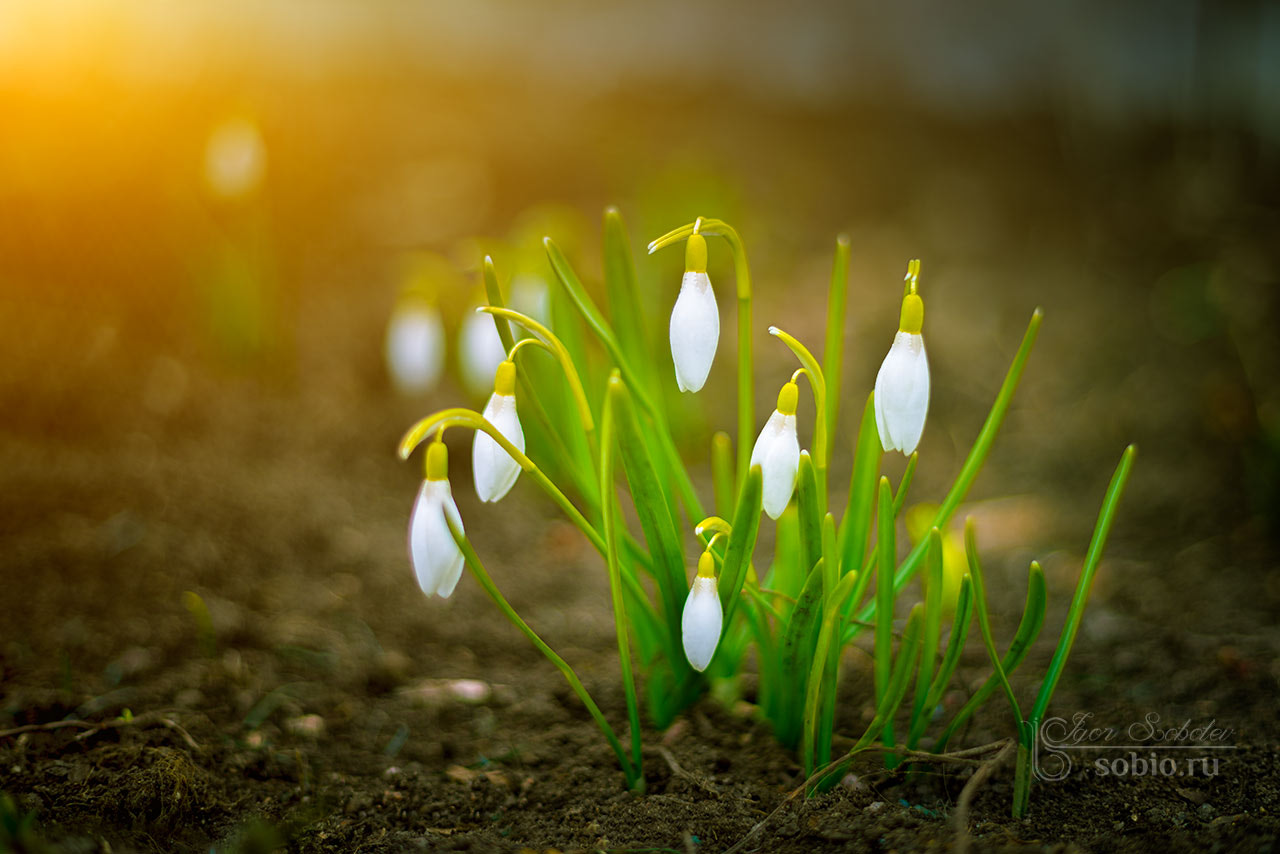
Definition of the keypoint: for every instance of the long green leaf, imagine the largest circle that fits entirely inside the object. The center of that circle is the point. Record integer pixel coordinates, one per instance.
(950, 659)
(610, 532)
(1028, 630)
(624, 304)
(810, 513)
(932, 629)
(796, 654)
(833, 355)
(856, 525)
(1110, 503)
(742, 542)
(655, 518)
(984, 622)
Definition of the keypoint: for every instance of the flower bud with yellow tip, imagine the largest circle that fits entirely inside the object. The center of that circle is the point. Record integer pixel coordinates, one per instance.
(703, 616)
(695, 320)
(902, 385)
(494, 470)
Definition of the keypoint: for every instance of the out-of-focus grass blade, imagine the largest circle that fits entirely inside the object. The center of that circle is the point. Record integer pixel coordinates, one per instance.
(722, 472)
(833, 354)
(624, 304)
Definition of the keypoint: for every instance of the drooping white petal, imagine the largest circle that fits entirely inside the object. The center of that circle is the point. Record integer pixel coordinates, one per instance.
(777, 452)
(494, 470)
(479, 352)
(435, 556)
(415, 349)
(701, 622)
(695, 331)
(902, 394)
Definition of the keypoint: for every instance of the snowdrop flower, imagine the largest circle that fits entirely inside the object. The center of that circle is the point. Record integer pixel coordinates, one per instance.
(480, 351)
(695, 320)
(703, 616)
(777, 452)
(415, 347)
(902, 386)
(494, 470)
(435, 556)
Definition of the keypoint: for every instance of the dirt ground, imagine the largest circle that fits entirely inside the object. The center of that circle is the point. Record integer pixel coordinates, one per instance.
(316, 701)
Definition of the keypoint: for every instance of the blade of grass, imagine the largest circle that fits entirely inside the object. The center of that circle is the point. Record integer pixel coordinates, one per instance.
(608, 498)
(1028, 630)
(1075, 613)
(984, 622)
(856, 524)
(932, 630)
(742, 542)
(833, 354)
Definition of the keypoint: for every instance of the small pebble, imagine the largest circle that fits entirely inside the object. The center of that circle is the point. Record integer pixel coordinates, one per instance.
(874, 807)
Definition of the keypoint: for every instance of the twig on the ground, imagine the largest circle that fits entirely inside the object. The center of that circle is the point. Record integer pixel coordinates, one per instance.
(92, 727)
(960, 817)
(677, 771)
(959, 757)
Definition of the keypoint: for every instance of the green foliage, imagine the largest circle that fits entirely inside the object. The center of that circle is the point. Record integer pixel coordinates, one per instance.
(817, 594)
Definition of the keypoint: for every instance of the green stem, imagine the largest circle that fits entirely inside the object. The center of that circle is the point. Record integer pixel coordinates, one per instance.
(885, 549)
(833, 355)
(818, 381)
(470, 418)
(562, 355)
(482, 576)
(608, 499)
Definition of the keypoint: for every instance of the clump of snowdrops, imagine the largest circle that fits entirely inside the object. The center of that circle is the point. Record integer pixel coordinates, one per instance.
(684, 617)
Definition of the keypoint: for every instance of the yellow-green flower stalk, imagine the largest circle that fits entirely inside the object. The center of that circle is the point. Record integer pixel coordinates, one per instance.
(902, 386)
(436, 560)
(495, 471)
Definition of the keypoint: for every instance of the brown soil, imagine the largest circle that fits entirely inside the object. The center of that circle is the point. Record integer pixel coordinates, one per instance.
(322, 711)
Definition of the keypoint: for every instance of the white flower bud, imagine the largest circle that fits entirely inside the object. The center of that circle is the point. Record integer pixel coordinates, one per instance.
(703, 616)
(415, 347)
(494, 469)
(902, 386)
(437, 560)
(480, 351)
(777, 452)
(695, 320)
